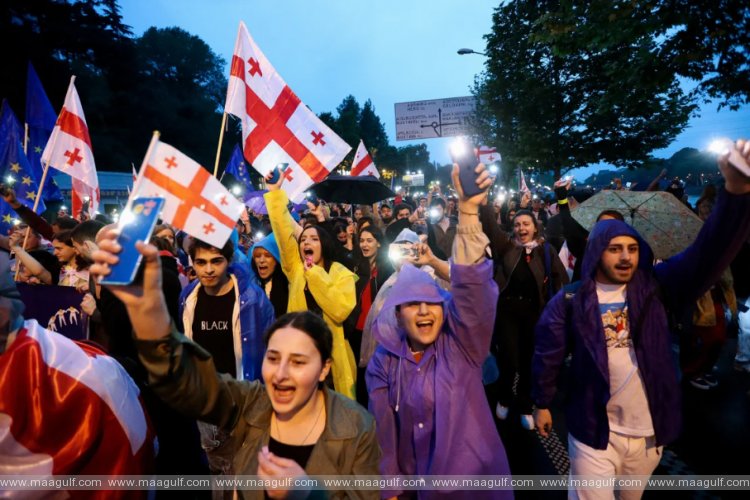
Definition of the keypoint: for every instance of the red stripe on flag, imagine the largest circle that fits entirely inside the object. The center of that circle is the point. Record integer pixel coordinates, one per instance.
(271, 126)
(359, 167)
(191, 195)
(72, 124)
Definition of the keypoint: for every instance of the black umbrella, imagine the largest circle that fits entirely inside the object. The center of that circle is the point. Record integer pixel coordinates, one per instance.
(360, 190)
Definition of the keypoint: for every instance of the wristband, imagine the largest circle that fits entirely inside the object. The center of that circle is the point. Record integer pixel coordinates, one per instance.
(562, 202)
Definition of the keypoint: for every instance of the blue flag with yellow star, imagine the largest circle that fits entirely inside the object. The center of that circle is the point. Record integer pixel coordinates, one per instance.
(237, 169)
(15, 169)
(40, 117)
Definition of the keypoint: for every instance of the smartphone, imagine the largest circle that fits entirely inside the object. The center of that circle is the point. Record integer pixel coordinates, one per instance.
(137, 227)
(464, 154)
(276, 172)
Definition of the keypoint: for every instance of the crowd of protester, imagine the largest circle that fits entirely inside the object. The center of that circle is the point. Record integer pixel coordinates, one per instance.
(358, 340)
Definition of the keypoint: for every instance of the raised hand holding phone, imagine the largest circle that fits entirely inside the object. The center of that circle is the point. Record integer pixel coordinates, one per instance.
(136, 225)
(464, 154)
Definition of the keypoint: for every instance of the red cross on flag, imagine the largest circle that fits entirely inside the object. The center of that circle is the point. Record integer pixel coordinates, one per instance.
(277, 127)
(363, 164)
(195, 201)
(69, 150)
(488, 155)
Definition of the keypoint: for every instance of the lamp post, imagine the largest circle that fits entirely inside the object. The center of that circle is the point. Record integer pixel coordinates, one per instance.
(463, 52)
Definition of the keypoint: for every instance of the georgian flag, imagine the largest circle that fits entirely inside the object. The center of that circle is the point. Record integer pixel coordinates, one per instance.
(522, 187)
(277, 127)
(362, 164)
(67, 408)
(488, 155)
(69, 150)
(195, 201)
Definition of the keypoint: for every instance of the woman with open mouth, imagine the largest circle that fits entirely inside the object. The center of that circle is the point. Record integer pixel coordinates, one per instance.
(528, 273)
(289, 426)
(373, 267)
(317, 282)
(266, 264)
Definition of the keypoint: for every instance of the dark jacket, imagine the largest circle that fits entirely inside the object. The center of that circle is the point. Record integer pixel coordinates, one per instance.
(506, 255)
(574, 324)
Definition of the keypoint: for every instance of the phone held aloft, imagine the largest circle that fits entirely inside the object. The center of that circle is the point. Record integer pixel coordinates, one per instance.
(464, 154)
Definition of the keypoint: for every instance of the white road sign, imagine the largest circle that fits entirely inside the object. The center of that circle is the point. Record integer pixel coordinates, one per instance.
(434, 118)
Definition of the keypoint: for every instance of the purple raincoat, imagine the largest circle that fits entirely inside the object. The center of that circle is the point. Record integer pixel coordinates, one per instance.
(433, 416)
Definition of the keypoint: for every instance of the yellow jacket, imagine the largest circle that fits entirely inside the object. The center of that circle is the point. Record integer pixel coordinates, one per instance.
(334, 291)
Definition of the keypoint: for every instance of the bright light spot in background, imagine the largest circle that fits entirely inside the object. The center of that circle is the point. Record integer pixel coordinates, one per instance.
(10, 179)
(259, 235)
(398, 188)
(493, 169)
(16, 222)
(236, 190)
(720, 146)
(125, 218)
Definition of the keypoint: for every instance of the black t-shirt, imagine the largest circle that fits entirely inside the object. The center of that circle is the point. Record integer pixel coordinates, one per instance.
(300, 454)
(212, 328)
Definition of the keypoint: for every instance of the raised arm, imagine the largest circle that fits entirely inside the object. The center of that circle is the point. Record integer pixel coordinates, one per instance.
(689, 274)
(180, 372)
(282, 225)
(35, 221)
(474, 303)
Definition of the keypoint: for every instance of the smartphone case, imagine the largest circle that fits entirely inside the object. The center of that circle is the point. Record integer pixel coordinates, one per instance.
(145, 214)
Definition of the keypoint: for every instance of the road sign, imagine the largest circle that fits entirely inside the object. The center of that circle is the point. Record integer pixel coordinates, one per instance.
(434, 118)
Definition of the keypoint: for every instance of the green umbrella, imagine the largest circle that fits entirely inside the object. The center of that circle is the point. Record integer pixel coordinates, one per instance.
(666, 223)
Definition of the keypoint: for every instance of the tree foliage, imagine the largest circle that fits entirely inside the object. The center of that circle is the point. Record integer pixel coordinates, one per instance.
(167, 79)
(559, 96)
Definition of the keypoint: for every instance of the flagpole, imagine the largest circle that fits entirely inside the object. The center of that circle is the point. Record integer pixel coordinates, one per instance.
(139, 180)
(221, 140)
(44, 176)
(25, 137)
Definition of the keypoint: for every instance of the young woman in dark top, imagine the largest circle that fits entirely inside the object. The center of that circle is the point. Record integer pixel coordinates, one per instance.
(372, 267)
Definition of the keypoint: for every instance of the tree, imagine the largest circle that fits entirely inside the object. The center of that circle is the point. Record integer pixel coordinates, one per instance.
(555, 112)
(372, 129)
(704, 41)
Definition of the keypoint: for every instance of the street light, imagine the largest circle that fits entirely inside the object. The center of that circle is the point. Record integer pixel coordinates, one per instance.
(463, 52)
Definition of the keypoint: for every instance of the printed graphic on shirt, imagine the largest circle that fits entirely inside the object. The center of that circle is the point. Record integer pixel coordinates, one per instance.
(615, 321)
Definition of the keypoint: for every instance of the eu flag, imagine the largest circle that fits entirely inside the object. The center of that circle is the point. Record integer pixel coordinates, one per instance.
(237, 169)
(15, 169)
(40, 117)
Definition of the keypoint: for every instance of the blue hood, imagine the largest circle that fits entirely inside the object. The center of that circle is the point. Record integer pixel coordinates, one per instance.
(599, 238)
(412, 285)
(268, 243)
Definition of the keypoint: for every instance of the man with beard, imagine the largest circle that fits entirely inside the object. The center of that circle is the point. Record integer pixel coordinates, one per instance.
(623, 398)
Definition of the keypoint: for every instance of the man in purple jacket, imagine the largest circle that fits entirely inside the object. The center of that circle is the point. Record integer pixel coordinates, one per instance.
(425, 378)
(623, 399)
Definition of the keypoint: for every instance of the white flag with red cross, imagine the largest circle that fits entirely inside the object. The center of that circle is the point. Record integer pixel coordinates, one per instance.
(488, 155)
(522, 187)
(195, 201)
(362, 164)
(277, 127)
(69, 150)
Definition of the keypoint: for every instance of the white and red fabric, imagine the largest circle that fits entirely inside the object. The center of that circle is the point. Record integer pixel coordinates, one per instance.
(522, 187)
(69, 150)
(196, 202)
(68, 408)
(362, 164)
(568, 260)
(488, 155)
(277, 127)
